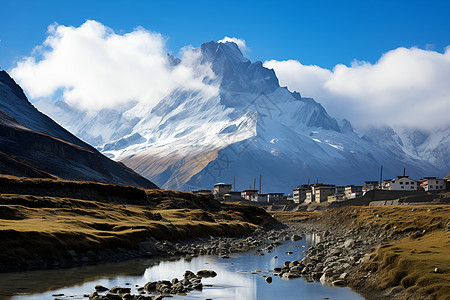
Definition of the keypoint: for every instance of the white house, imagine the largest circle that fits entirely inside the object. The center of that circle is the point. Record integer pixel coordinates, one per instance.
(247, 194)
(432, 184)
(401, 183)
(221, 189)
(299, 193)
(353, 191)
(309, 196)
(259, 197)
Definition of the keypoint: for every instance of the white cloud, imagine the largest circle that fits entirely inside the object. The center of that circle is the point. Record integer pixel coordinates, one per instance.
(97, 68)
(405, 87)
(240, 42)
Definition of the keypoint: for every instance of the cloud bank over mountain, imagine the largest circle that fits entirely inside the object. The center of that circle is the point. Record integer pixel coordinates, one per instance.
(405, 87)
(92, 67)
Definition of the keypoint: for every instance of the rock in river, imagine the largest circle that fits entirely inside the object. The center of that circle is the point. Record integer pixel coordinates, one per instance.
(206, 273)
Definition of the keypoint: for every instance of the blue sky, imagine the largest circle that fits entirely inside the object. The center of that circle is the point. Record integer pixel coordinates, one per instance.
(322, 33)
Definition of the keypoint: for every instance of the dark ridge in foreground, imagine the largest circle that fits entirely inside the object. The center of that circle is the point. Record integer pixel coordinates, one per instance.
(33, 145)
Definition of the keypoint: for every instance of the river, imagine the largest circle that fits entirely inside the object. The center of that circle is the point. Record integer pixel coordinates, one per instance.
(239, 277)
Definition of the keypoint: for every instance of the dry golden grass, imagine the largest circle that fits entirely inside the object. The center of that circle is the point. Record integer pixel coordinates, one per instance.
(50, 226)
(295, 216)
(411, 263)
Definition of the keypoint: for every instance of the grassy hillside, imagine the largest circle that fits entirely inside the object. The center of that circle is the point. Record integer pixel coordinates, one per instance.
(48, 227)
(420, 244)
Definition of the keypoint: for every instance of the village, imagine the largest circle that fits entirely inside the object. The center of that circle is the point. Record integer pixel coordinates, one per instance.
(328, 193)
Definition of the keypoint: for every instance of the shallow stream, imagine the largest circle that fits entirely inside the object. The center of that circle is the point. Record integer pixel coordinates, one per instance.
(242, 276)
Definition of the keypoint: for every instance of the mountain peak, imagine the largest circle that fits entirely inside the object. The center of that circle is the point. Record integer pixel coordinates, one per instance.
(237, 72)
(213, 51)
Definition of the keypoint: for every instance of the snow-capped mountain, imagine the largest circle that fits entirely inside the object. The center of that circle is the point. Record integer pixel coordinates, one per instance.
(33, 145)
(431, 146)
(246, 125)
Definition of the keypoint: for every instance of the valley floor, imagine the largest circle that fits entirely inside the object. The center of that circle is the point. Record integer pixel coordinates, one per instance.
(383, 252)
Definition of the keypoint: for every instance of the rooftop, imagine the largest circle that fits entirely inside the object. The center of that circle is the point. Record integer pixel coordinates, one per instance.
(222, 184)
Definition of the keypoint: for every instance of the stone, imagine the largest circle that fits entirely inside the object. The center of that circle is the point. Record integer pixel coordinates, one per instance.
(269, 279)
(150, 286)
(189, 274)
(93, 295)
(295, 238)
(339, 282)
(120, 290)
(100, 288)
(290, 275)
(336, 251)
(112, 296)
(349, 243)
(206, 273)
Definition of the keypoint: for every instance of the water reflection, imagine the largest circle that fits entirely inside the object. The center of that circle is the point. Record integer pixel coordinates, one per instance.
(240, 277)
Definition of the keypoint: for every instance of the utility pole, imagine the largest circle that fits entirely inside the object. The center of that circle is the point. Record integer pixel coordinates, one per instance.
(260, 188)
(234, 183)
(381, 176)
(254, 183)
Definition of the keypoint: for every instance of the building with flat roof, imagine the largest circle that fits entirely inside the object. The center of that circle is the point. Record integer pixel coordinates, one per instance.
(299, 193)
(233, 196)
(221, 189)
(259, 197)
(432, 184)
(274, 197)
(353, 191)
(247, 194)
(401, 183)
(322, 191)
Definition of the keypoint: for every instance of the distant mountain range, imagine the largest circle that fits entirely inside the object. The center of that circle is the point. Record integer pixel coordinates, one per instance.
(251, 127)
(33, 145)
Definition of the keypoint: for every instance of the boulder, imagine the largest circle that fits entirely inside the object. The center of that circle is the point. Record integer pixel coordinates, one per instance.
(120, 290)
(100, 288)
(150, 286)
(206, 273)
(349, 243)
(295, 238)
(112, 296)
(93, 296)
(290, 275)
(339, 282)
(189, 274)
